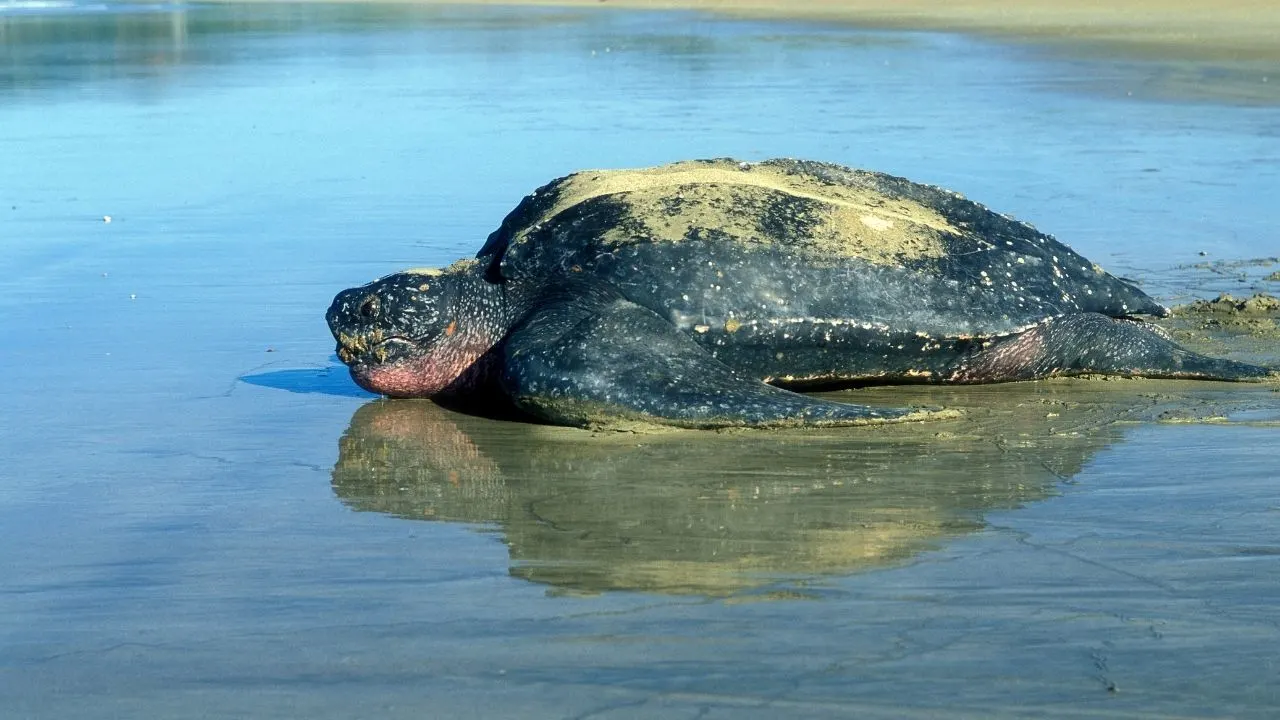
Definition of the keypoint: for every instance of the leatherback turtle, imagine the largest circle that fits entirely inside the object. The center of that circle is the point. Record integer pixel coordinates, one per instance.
(701, 293)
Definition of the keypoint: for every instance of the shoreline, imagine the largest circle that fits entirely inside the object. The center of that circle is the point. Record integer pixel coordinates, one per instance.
(1232, 30)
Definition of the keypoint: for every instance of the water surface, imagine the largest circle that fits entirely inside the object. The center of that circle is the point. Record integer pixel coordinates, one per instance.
(202, 517)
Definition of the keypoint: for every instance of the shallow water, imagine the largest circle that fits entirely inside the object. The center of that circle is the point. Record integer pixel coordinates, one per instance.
(203, 517)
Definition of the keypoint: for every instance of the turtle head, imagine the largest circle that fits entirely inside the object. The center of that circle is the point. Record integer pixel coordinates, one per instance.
(418, 333)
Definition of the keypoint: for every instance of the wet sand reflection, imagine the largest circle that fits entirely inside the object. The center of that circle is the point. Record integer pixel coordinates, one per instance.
(690, 512)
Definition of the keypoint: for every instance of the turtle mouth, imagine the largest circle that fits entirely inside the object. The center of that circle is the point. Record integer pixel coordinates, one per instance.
(393, 366)
(374, 349)
(398, 366)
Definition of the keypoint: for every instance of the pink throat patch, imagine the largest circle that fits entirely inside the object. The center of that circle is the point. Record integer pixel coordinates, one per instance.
(443, 368)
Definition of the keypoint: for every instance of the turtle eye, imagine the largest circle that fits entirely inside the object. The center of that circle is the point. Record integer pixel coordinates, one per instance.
(369, 308)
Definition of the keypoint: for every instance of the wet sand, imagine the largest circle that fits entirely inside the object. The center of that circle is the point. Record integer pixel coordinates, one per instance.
(672, 513)
(1246, 327)
(210, 520)
(1234, 29)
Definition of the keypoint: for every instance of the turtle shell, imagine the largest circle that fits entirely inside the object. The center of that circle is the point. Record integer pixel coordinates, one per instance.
(719, 243)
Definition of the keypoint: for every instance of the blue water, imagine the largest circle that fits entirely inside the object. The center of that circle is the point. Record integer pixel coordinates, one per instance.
(187, 533)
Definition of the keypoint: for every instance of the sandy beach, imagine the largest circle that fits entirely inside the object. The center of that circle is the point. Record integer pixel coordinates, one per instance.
(1233, 29)
(210, 519)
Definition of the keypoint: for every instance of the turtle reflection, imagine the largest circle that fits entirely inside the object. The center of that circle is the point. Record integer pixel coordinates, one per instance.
(717, 514)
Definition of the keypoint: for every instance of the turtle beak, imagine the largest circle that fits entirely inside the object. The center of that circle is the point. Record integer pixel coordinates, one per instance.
(372, 349)
(353, 320)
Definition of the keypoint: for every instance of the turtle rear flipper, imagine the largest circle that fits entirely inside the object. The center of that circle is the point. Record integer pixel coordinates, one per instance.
(1084, 343)
(601, 361)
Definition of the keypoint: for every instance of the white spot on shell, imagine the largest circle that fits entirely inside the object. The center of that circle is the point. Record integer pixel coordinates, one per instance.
(875, 222)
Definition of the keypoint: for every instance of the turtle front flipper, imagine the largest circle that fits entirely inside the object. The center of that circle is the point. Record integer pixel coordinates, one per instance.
(599, 360)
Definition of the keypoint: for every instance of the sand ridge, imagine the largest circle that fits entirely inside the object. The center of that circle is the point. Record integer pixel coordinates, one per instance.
(1235, 29)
